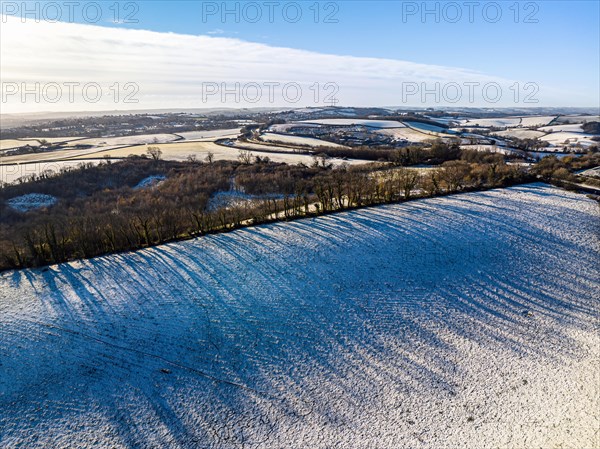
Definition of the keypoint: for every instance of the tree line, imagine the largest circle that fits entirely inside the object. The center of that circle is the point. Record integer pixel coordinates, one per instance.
(101, 211)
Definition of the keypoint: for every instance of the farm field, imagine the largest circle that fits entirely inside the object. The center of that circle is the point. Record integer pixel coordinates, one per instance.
(559, 138)
(531, 122)
(182, 150)
(496, 122)
(520, 133)
(578, 118)
(349, 122)
(6, 144)
(576, 128)
(297, 140)
(459, 322)
(409, 134)
(212, 134)
(426, 127)
(127, 140)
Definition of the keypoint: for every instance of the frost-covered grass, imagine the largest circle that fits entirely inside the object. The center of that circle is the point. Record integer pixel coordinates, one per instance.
(461, 322)
(31, 201)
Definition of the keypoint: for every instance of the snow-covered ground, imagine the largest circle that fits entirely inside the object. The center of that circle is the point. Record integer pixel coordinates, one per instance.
(290, 139)
(233, 198)
(212, 134)
(565, 138)
(6, 144)
(350, 122)
(150, 181)
(469, 321)
(496, 122)
(520, 133)
(491, 148)
(575, 128)
(408, 134)
(427, 127)
(127, 140)
(578, 118)
(31, 201)
(591, 172)
(534, 121)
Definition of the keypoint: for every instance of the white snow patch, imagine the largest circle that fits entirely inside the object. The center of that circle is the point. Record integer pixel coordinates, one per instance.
(234, 198)
(31, 201)
(150, 181)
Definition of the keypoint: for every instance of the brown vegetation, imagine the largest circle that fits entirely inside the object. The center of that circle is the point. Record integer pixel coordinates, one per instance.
(100, 210)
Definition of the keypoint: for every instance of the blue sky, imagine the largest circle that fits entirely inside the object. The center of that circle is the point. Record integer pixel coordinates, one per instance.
(552, 43)
(567, 30)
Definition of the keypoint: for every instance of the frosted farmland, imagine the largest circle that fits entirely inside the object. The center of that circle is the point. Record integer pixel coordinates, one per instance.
(360, 122)
(465, 321)
(212, 134)
(495, 122)
(560, 138)
(574, 128)
(297, 140)
(520, 133)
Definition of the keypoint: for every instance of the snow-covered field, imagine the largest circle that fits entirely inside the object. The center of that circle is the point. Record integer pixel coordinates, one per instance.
(592, 172)
(578, 118)
(575, 128)
(409, 134)
(290, 139)
(428, 127)
(564, 138)
(350, 122)
(127, 140)
(536, 120)
(6, 144)
(496, 122)
(520, 133)
(469, 321)
(212, 134)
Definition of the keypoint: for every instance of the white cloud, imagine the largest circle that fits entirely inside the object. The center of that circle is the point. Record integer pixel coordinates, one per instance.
(171, 69)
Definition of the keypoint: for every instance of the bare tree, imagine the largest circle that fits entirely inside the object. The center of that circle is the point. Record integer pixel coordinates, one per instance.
(154, 152)
(245, 157)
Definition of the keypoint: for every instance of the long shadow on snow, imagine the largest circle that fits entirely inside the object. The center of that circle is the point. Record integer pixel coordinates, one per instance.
(307, 320)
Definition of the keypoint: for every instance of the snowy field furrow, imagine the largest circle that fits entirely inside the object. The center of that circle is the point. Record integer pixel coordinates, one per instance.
(469, 321)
